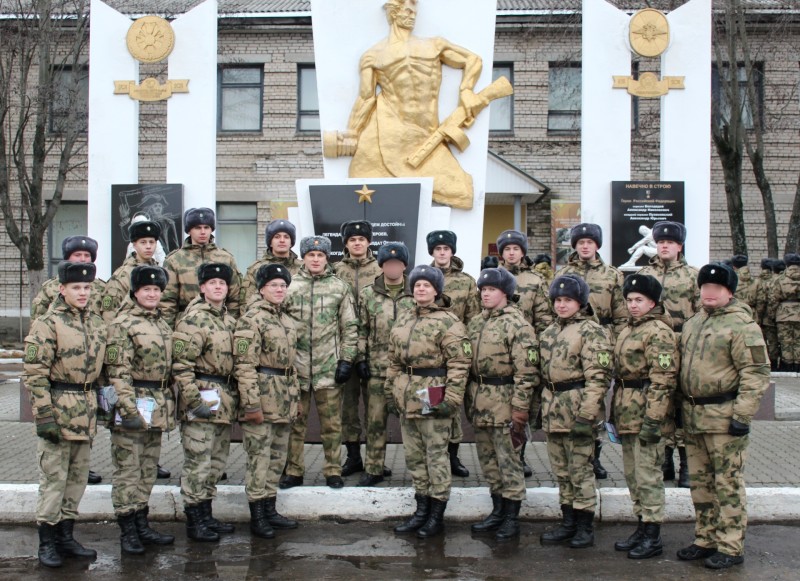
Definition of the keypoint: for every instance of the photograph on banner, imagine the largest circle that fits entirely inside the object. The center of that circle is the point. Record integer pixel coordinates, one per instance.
(564, 216)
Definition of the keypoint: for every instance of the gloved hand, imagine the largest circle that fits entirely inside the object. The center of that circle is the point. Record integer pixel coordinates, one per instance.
(202, 411)
(444, 410)
(582, 428)
(737, 428)
(47, 428)
(650, 432)
(519, 419)
(343, 371)
(362, 370)
(392, 409)
(254, 416)
(134, 423)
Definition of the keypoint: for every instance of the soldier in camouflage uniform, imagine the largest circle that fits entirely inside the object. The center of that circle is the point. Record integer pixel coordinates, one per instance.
(138, 364)
(322, 307)
(768, 324)
(681, 300)
(181, 266)
(202, 353)
(379, 306)
(576, 354)
(747, 290)
(542, 264)
(646, 365)
(724, 373)
(770, 332)
(280, 235)
(265, 343)
(429, 352)
(464, 304)
(503, 376)
(144, 238)
(358, 268)
(784, 308)
(63, 358)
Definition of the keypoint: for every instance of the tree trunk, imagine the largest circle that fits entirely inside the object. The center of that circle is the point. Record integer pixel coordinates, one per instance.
(793, 235)
(36, 279)
(731, 160)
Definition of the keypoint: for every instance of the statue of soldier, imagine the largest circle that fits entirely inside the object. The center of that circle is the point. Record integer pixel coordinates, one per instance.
(63, 359)
(280, 236)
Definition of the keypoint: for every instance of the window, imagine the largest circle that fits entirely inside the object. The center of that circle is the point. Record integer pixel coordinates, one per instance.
(237, 232)
(721, 106)
(564, 98)
(241, 98)
(70, 220)
(501, 111)
(307, 99)
(70, 91)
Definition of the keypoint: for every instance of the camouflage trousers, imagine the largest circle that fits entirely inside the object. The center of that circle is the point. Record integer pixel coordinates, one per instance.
(570, 463)
(676, 439)
(770, 333)
(354, 391)
(456, 433)
(135, 459)
(500, 462)
(425, 445)
(642, 465)
(266, 446)
(329, 408)
(376, 427)
(63, 470)
(205, 453)
(716, 475)
(789, 341)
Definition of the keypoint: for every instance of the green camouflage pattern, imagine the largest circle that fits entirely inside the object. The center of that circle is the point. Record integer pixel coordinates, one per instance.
(768, 325)
(532, 289)
(545, 271)
(465, 300)
(67, 345)
(784, 310)
(329, 410)
(642, 466)
(182, 285)
(49, 293)
(500, 462)
(250, 292)
(63, 470)
(203, 343)
(605, 289)
(376, 418)
(722, 351)
(427, 461)
(762, 296)
(118, 287)
(266, 446)
(681, 296)
(747, 289)
(205, 453)
(358, 273)
(134, 456)
(570, 462)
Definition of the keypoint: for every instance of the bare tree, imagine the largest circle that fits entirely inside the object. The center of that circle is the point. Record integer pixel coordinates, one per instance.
(42, 117)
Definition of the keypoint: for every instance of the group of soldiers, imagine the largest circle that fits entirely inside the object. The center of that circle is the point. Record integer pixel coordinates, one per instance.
(191, 342)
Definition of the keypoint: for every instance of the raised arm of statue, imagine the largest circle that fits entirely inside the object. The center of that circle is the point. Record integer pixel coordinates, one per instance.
(458, 57)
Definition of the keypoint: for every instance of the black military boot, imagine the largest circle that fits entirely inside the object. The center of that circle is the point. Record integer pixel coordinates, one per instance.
(668, 467)
(456, 467)
(510, 527)
(368, 479)
(651, 546)
(527, 471)
(67, 546)
(276, 520)
(258, 520)
(162, 473)
(599, 472)
(211, 522)
(197, 527)
(129, 538)
(147, 535)
(683, 473)
(565, 531)
(420, 516)
(435, 524)
(584, 535)
(353, 463)
(48, 555)
(495, 518)
(94, 478)
(633, 540)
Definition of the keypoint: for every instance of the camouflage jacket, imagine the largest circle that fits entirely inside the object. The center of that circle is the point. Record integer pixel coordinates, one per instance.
(377, 313)
(182, 287)
(249, 290)
(762, 296)
(681, 296)
(574, 349)
(783, 305)
(322, 307)
(646, 349)
(605, 290)
(66, 345)
(427, 337)
(504, 344)
(462, 289)
(747, 289)
(357, 272)
(202, 344)
(545, 270)
(266, 336)
(532, 289)
(49, 293)
(140, 349)
(118, 287)
(722, 352)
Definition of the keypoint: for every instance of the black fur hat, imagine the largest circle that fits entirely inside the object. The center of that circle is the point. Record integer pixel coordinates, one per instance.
(490, 262)
(393, 251)
(512, 237)
(268, 272)
(643, 284)
(586, 230)
(666, 230)
(438, 237)
(543, 258)
(280, 226)
(209, 270)
(766, 264)
(571, 286)
(430, 273)
(146, 229)
(72, 244)
(76, 272)
(739, 260)
(199, 217)
(356, 228)
(718, 274)
(792, 259)
(498, 278)
(778, 266)
(146, 274)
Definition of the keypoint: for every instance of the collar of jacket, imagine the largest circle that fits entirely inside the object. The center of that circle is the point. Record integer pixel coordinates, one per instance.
(200, 303)
(62, 306)
(734, 306)
(188, 245)
(490, 313)
(347, 259)
(440, 304)
(657, 313)
(584, 313)
(594, 262)
(456, 265)
(380, 286)
(303, 273)
(137, 310)
(671, 265)
(524, 264)
(279, 259)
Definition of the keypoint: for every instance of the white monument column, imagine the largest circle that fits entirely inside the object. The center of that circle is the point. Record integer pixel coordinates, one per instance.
(113, 151)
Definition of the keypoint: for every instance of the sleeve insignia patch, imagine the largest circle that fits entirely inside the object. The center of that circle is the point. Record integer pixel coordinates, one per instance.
(533, 356)
(178, 347)
(112, 353)
(604, 359)
(242, 345)
(466, 346)
(31, 351)
(107, 302)
(664, 360)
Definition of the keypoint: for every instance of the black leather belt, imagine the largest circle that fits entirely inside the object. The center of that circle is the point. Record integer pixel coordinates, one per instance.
(223, 379)
(566, 385)
(426, 371)
(66, 386)
(284, 371)
(634, 383)
(678, 328)
(712, 399)
(492, 379)
(606, 321)
(162, 384)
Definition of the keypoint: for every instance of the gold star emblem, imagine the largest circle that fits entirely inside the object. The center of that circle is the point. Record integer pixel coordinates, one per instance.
(365, 194)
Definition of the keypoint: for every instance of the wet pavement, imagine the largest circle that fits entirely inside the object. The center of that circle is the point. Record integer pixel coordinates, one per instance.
(356, 551)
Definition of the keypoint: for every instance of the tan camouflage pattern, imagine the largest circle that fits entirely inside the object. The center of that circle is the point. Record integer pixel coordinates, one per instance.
(570, 462)
(500, 462)
(747, 289)
(249, 291)
(681, 296)
(358, 273)
(768, 325)
(49, 293)
(642, 466)
(545, 271)
(266, 446)
(134, 456)
(465, 301)
(762, 296)
(784, 309)
(205, 453)
(532, 289)
(63, 470)
(329, 409)
(605, 290)
(118, 287)
(427, 461)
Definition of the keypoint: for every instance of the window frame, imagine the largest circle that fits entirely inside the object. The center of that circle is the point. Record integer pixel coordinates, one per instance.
(55, 71)
(220, 221)
(510, 130)
(550, 112)
(220, 89)
(718, 94)
(305, 113)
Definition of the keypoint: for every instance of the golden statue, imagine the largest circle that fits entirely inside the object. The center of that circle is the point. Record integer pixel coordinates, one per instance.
(396, 132)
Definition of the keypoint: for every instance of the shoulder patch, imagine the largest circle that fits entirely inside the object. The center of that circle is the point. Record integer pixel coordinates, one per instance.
(664, 360)
(31, 352)
(533, 356)
(112, 353)
(178, 346)
(107, 302)
(603, 358)
(466, 346)
(242, 345)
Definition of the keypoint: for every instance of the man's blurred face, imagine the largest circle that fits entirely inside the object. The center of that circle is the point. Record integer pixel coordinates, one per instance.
(393, 270)
(586, 248)
(80, 256)
(714, 295)
(315, 261)
(512, 254)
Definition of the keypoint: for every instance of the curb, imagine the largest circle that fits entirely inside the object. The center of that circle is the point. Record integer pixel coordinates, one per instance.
(18, 504)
